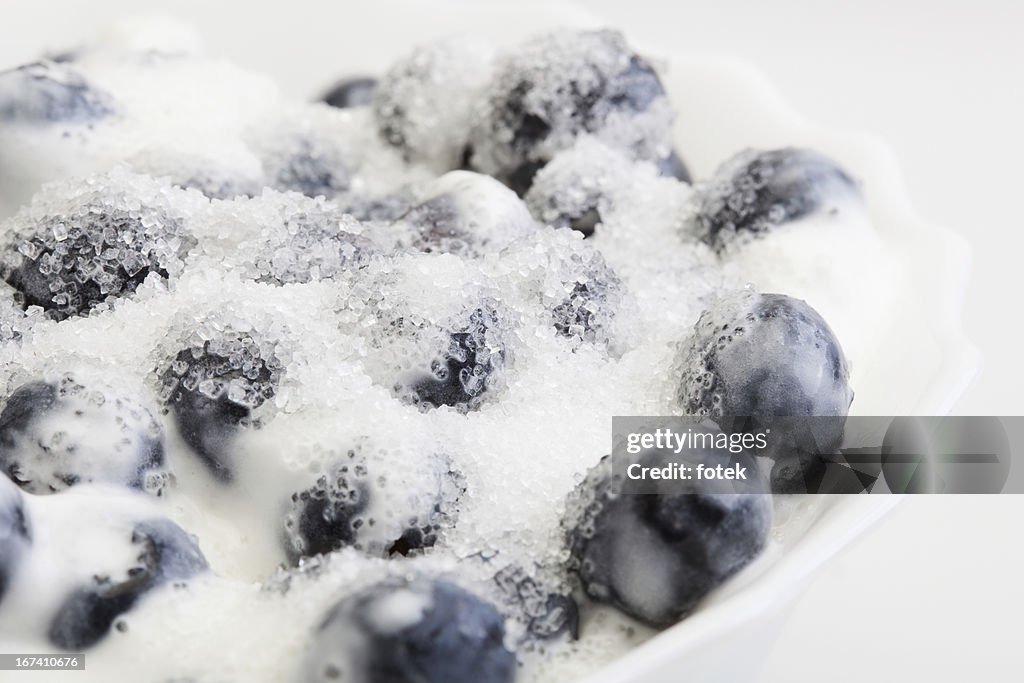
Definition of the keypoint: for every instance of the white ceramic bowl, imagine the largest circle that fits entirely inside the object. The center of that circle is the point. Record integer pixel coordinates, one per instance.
(923, 362)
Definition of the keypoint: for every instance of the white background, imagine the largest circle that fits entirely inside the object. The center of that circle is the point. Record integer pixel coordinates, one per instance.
(935, 593)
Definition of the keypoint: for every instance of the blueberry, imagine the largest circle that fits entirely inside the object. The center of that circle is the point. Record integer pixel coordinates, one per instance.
(656, 555)
(467, 214)
(364, 503)
(307, 240)
(15, 532)
(462, 374)
(166, 554)
(57, 434)
(418, 631)
(311, 170)
(424, 105)
(548, 614)
(50, 92)
(756, 191)
(351, 92)
(769, 356)
(327, 515)
(559, 87)
(212, 389)
(672, 166)
(70, 263)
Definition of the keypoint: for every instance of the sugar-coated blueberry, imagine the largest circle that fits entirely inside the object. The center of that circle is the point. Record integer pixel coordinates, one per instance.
(50, 92)
(461, 374)
(547, 613)
(102, 246)
(166, 554)
(15, 532)
(351, 92)
(55, 434)
(672, 166)
(467, 214)
(357, 506)
(756, 191)
(769, 356)
(418, 631)
(656, 555)
(562, 85)
(212, 389)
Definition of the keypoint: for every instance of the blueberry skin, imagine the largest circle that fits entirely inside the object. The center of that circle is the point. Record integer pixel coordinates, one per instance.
(672, 166)
(351, 92)
(15, 532)
(461, 376)
(167, 554)
(457, 637)
(310, 173)
(209, 424)
(335, 512)
(21, 440)
(323, 518)
(47, 93)
(548, 615)
(536, 108)
(770, 356)
(77, 279)
(757, 191)
(655, 556)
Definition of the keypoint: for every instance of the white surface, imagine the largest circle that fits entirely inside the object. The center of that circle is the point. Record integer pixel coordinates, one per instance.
(932, 593)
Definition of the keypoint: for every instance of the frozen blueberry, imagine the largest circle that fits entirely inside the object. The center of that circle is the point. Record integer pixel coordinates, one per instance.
(383, 509)
(418, 631)
(57, 434)
(15, 533)
(166, 554)
(310, 168)
(672, 166)
(423, 106)
(351, 92)
(102, 246)
(327, 516)
(212, 389)
(560, 86)
(769, 356)
(656, 554)
(306, 240)
(756, 191)
(588, 314)
(467, 214)
(547, 614)
(50, 92)
(461, 375)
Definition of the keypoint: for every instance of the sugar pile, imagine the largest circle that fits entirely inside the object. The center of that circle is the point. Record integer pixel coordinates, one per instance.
(319, 334)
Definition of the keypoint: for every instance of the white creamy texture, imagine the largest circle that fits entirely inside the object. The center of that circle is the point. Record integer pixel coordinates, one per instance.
(519, 455)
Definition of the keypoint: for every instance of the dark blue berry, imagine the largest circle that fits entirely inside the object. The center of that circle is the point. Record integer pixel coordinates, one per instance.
(15, 532)
(672, 166)
(166, 554)
(461, 375)
(756, 191)
(351, 92)
(557, 88)
(418, 631)
(212, 390)
(103, 254)
(359, 506)
(655, 555)
(50, 92)
(770, 356)
(548, 614)
(126, 444)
